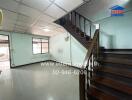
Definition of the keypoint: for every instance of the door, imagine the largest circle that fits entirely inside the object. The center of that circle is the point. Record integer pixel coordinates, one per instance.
(4, 53)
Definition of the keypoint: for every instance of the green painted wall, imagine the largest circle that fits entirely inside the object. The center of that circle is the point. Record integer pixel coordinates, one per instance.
(116, 32)
(69, 52)
(60, 49)
(21, 49)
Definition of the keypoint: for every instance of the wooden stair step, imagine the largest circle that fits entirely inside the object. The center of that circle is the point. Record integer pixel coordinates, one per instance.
(100, 95)
(87, 37)
(84, 39)
(113, 84)
(123, 55)
(116, 60)
(116, 71)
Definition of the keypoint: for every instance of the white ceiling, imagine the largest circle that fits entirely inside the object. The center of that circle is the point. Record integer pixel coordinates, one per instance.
(33, 16)
(96, 10)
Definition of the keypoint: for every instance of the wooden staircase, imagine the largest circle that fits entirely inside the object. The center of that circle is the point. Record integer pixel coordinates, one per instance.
(112, 79)
(108, 74)
(78, 34)
(72, 23)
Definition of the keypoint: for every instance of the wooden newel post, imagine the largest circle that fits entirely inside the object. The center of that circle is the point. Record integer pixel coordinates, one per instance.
(82, 84)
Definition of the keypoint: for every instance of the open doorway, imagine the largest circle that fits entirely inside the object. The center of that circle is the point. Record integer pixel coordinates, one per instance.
(4, 53)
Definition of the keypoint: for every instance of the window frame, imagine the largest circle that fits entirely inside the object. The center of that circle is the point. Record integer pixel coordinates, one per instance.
(41, 45)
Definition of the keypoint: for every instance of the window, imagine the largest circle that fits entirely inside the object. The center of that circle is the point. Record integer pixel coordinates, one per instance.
(45, 46)
(40, 46)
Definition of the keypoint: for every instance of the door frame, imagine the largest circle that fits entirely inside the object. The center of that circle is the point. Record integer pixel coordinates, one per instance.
(9, 48)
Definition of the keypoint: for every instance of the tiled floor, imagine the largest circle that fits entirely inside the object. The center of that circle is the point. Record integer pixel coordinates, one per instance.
(37, 82)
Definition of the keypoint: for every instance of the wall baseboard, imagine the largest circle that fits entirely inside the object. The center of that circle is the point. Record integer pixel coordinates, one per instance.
(45, 61)
(24, 65)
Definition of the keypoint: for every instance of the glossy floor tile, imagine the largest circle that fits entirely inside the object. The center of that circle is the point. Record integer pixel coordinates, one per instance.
(39, 82)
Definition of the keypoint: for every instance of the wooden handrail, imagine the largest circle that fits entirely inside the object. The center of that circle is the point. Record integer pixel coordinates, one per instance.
(70, 22)
(74, 13)
(83, 17)
(84, 78)
(90, 51)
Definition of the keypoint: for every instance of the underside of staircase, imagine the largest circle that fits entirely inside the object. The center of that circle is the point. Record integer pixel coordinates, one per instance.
(77, 30)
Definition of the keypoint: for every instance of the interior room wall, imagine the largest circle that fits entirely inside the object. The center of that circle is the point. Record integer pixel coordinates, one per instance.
(67, 50)
(78, 53)
(60, 49)
(115, 32)
(21, 49)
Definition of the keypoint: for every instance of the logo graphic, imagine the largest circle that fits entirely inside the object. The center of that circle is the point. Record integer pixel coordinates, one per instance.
(117, 11)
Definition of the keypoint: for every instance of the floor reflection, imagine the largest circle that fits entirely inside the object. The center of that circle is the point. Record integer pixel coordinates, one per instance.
(36, 82)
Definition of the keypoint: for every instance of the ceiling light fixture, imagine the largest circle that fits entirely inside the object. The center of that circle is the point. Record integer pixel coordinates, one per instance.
(46, 30)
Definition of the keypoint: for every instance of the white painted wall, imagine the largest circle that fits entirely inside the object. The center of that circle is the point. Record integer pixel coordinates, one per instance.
(116, 32)
(69, 52)
(21, 49)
